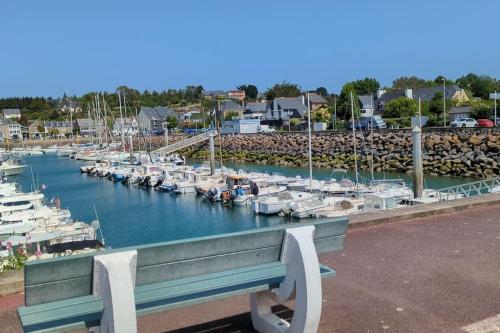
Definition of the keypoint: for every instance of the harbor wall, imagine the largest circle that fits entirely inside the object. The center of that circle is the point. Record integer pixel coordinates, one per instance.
(460, 152)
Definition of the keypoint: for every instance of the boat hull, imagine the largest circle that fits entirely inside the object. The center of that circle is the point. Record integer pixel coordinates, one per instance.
(13, 170)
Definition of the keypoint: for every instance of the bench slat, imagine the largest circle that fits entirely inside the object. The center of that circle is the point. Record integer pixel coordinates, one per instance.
(71, 313)
(58, 290)
(186, 249)
(184, 292)
(206, 247)
(329, 244)
(86, 311)
(60, 268)
(206, 265)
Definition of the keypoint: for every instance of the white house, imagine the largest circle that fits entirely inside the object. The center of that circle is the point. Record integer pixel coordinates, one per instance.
(125, 125)
(237, 126)
(11, 113)
(153, 119)
(191, 117)
(10, 129)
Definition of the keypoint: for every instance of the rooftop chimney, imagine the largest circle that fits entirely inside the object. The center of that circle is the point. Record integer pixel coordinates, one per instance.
(380, 92)
(409, 93)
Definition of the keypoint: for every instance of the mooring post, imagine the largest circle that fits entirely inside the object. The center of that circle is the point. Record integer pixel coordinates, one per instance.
(418, 169)
(212, 154)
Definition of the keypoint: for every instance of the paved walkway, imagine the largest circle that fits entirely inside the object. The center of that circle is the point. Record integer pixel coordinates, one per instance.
(436, 274)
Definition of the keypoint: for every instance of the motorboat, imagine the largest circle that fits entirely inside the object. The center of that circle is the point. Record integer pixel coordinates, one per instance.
(264, 192)
(325, 207)
(301, 184)
(20, 202)
(274, 204)
(11, 168)
(189, 182)
(396, 188)
(64, 152)
(379, 201)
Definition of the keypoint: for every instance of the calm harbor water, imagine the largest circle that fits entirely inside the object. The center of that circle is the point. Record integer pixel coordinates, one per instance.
(131, 216)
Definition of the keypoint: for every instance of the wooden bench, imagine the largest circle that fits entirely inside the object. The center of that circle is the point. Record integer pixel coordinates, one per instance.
(106, 291)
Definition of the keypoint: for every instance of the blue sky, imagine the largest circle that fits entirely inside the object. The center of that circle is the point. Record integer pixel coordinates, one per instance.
(51, 47)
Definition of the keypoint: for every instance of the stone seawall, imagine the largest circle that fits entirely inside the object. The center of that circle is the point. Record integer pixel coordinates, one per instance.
(458, 152)
(461, 152)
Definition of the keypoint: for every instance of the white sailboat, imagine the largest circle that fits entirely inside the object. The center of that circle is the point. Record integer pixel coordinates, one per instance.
(11, 168)
(19, 202)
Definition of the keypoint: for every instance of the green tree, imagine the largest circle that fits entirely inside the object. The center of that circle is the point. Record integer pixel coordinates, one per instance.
(24, 120)
(438, 81)
(480, 86)
(481, 111)
(322, 91)
(366, 86)
(344, 102)
(323, 114)
(53, 115)
(53, 132)
(251, 91)
(409, 82)
(400, 107)
(294, 122)
(171, 122)
(230, 115)
(39, 104)
(436, 104)
(283, 89)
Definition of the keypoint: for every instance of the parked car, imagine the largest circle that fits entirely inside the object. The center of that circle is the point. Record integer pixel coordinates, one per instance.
(159, 131)
(190, 131)
(485, 123)
(375, 122)
(349, 125)
(464, 122)
(265, 129)
(366, 123)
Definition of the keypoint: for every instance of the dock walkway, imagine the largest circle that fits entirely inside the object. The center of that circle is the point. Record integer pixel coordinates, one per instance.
(434, 274)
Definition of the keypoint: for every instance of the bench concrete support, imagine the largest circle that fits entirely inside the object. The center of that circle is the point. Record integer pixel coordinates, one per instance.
(302, 282)
(114, 281)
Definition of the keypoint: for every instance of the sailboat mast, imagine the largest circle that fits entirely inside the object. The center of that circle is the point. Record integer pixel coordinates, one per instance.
(71, 123)
(354, 143)
(121, 117)
(96, 117)
(309, 140)
(105, 121)
(90, 119)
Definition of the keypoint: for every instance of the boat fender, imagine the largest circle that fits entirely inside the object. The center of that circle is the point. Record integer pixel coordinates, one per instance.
(226, 196)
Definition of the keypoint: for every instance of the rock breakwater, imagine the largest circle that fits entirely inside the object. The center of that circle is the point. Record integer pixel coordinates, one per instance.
(462, 152)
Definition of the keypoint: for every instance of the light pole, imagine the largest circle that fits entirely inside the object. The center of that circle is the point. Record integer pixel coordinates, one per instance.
(309, 141)
(444, 102)
(334, 112)
(495, 108)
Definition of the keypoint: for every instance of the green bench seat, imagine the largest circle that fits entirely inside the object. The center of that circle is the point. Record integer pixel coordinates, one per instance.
(59, 297)
(74, 313)
(86, 311)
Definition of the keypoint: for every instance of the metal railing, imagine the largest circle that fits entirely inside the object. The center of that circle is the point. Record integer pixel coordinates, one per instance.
(184, 143)
(468, 190)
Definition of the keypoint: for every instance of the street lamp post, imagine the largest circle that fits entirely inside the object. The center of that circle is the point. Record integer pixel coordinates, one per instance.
(495, 107)
(444, 102)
